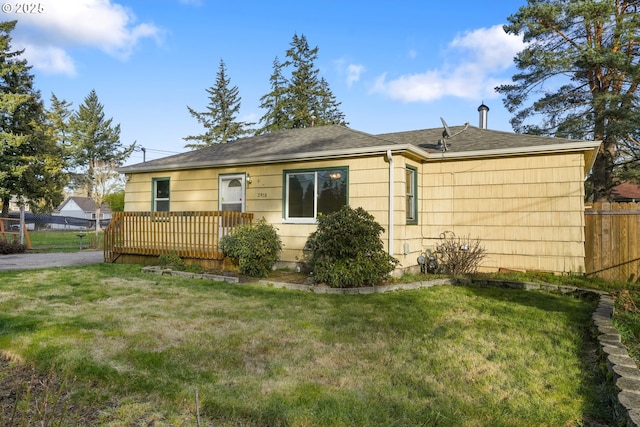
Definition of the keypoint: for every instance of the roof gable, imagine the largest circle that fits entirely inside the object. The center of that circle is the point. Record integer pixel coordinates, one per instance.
(86, 204)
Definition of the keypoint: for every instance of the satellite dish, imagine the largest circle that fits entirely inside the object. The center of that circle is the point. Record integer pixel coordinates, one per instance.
(447, 132)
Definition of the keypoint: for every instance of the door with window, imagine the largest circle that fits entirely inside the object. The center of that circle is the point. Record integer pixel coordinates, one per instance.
(232, 193)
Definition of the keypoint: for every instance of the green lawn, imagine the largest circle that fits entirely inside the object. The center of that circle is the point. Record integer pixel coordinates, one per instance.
(134, 349)
(64, 240)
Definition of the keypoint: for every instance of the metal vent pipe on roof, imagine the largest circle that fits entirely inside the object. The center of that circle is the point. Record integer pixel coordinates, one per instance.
(484, 112)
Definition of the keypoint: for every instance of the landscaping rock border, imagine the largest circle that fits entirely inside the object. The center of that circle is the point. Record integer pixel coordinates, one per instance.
(621, 368)
(206, 276)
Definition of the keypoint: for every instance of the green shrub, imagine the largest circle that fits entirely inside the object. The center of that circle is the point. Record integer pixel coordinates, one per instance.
(171, 260)
(346, 250)
(256, 248)
(174, 262)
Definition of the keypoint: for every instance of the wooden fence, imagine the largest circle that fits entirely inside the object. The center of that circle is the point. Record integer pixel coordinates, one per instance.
(612, 241)
(193, 235)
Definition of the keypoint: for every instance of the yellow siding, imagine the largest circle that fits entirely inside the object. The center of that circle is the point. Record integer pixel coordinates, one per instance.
(195, 190)
(527, 211)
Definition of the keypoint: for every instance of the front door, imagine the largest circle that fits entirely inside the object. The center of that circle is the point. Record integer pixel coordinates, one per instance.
(232, 190)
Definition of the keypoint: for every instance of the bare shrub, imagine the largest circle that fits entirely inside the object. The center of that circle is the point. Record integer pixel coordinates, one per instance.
(459, 255)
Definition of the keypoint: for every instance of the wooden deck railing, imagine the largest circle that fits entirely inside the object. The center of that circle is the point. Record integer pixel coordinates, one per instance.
(10, 231)
(188, 234)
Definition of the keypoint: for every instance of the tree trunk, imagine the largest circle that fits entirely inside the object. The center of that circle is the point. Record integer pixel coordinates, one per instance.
(602, 173)
(97, 222)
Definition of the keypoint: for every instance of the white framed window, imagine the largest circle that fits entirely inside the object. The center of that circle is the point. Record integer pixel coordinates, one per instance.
(309, 192)
(161, 194)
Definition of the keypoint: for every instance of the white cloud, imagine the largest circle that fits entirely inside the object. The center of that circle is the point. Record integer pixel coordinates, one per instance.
(353, 73)
(50, 59)
(474, 63)
(66, 24)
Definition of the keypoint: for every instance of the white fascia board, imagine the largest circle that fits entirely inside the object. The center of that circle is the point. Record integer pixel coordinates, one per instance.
(508, 152)
(589, 148)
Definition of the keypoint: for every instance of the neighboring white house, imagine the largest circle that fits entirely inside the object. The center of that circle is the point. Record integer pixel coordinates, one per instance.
(77, 207)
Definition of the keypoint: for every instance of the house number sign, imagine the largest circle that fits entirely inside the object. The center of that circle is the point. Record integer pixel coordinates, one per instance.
(262, 195)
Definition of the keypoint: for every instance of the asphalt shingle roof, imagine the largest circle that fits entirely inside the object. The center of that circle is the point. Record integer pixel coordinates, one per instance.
(299, 144)
(626, 191)
(470, 138)
(269, 147)
(85, 203)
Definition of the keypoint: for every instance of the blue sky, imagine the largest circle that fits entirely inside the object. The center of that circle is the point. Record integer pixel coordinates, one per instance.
(394, 65)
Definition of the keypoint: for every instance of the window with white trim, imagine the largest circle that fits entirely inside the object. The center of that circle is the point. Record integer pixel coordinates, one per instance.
(310, 192)
(161, 195)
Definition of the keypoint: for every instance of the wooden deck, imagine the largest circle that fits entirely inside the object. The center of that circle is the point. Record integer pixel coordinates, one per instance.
(194, 235)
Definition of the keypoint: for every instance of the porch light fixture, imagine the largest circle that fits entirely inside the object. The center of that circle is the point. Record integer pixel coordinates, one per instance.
(248, 179)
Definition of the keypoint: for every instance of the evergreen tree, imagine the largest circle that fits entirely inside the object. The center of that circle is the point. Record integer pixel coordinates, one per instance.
(329, 113)
(95, 142)
(219, 120)
(31, 163)
(582, 60)
(57, 118)
(304, 90)
(275, 102)
(304, 100)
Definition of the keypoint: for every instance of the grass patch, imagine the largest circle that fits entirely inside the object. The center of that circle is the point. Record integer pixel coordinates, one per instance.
(64, 240)
(137, 347)
(627, 321)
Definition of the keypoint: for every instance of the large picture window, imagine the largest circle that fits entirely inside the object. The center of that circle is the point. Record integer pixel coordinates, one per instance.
(411, 189)
(161, 195)
(312, 192)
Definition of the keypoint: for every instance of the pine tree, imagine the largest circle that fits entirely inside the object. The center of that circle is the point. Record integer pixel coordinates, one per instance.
(95, 141)
(275, 102)
(581, 59)
(304, 90)
(219, 120)
(31, 163)
(58, 116)
(329, 113)
(305, 99)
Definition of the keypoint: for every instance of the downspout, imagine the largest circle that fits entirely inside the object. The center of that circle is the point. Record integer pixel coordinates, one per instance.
(389, 158)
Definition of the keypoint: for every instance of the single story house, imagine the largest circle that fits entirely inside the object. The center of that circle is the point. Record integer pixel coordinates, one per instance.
(625, 192)
(75, 208)
(522, 196)
(82, 207)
